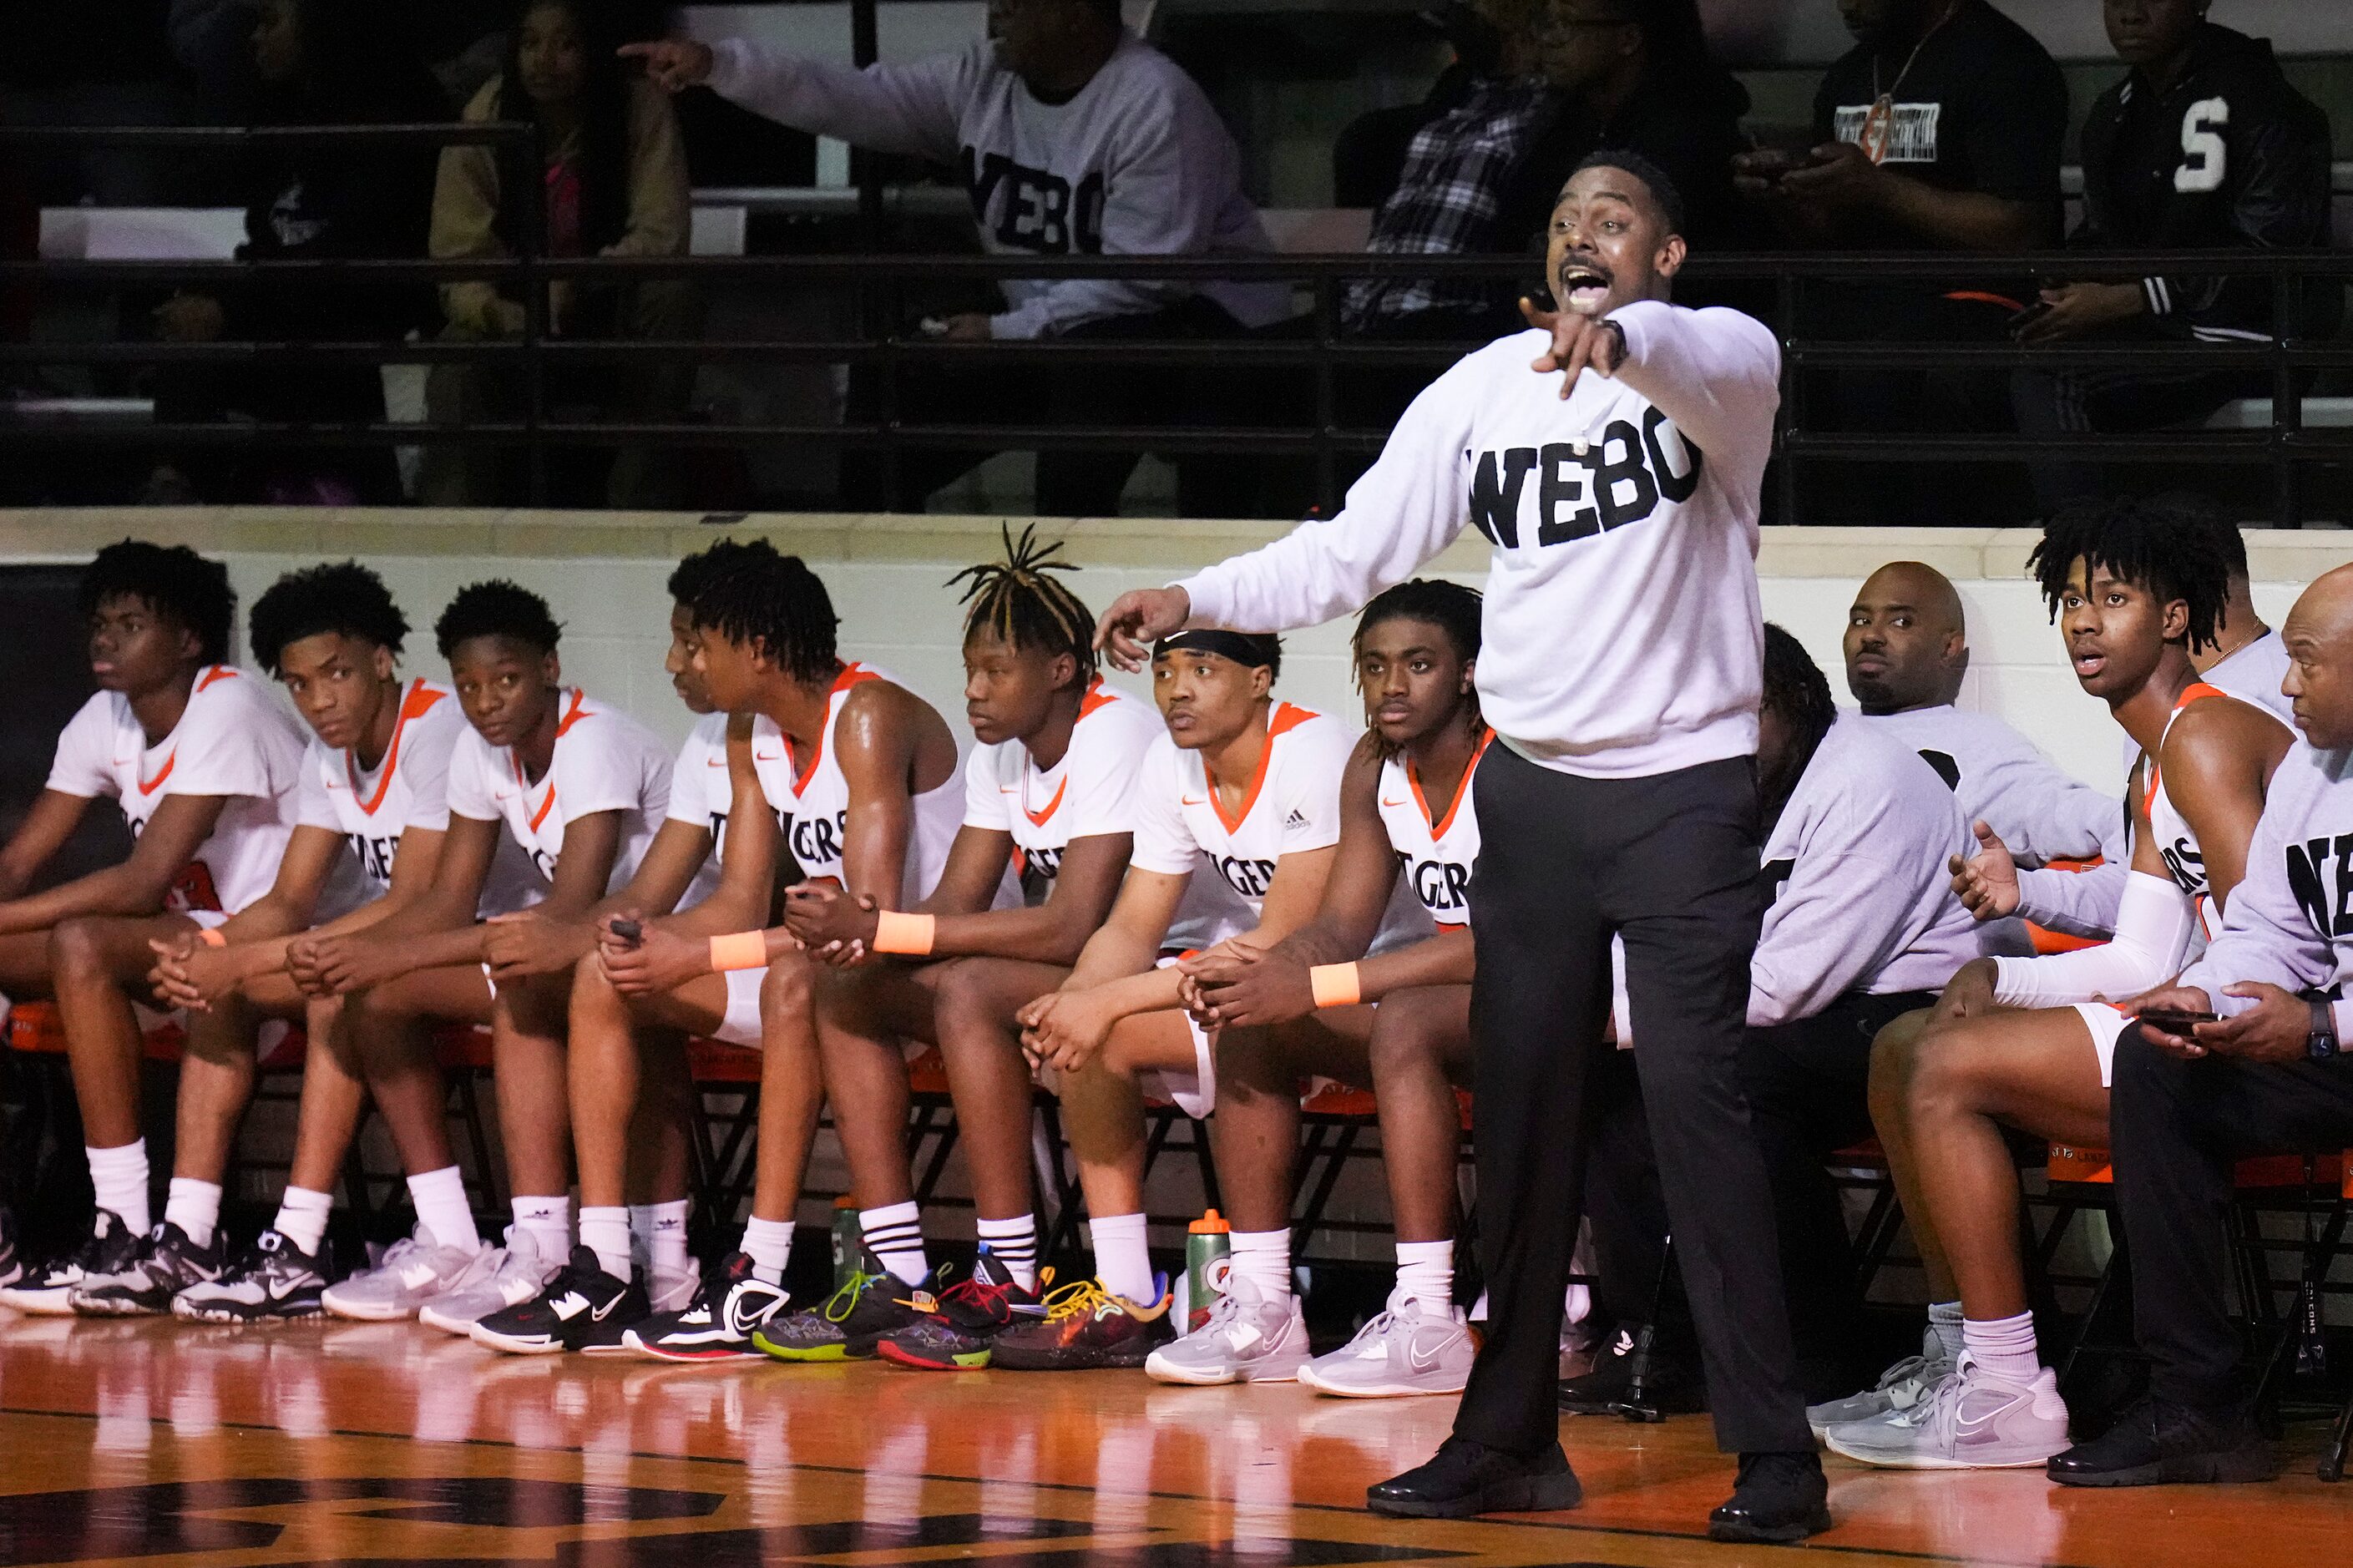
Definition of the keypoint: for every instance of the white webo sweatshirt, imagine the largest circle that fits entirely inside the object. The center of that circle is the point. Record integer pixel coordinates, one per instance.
(1622, 635)
(1137, 163)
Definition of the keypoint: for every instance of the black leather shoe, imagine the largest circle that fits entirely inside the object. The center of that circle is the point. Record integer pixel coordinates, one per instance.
(1464, 1477)
(2156, 1442)
(1779, 1498)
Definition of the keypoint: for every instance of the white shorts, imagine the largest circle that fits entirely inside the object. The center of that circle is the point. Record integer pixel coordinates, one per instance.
(1195, 1093)
(2108, 1026)
(208, 920)
(741, 1025)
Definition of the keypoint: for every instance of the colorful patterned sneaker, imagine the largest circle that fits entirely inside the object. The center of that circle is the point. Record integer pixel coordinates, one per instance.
(1974, 1421)
(272, 1280)
(717, 1323)
(48, 1291)
(582, 1297)
(499, 1277)
(167, 1264)
(848, 1324)
(1085, 1327)
(1406, 1349)
(1248, 1338)
(972, 1313)
(413, 1271)
(1900, 1387)
(12, 1268)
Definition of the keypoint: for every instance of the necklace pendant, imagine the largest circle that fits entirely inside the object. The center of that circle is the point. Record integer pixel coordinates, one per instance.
(1877, 127)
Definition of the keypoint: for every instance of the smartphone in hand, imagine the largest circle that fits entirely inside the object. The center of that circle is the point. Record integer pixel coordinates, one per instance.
(629, 933)
(2173, 1021)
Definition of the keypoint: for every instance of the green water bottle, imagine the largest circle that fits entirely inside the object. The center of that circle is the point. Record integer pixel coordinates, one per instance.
(848, 1239)
(1208, 1260)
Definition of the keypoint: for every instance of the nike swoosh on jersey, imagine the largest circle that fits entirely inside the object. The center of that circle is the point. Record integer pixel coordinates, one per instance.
(1188, 800)
(1385, 801)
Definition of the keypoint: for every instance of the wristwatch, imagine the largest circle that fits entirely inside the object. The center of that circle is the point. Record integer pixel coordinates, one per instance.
(2320, 1046)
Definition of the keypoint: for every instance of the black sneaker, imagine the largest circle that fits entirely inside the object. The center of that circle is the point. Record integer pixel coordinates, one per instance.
(2156, 1442)
(47, 1290)
(1779, 1498)
(581, 1298)
(1668, 1388)
(12, 1268)
(1466, 1478)
(972, 1313)
(272, 1280)
(717, 1324)
(848, 1324)
(167, 1264)
(1085, 1327)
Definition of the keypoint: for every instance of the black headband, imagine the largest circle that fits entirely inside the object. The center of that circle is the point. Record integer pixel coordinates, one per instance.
(1252, 652)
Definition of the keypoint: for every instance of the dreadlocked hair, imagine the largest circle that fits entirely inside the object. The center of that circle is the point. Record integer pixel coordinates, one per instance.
(1453, 608)
(2161, 545)
(686, 578)
(172, 580)
(1795, 689)
(773, 602)
(342, 597)
(497, 608)
(1015, 601)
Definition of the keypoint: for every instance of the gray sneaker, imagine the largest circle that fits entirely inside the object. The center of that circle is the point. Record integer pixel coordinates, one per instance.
(412, 1272)
(1247, 1339)
(1900, 1387)
(501, 1277)
(1403, 1351)
(1974, 1421)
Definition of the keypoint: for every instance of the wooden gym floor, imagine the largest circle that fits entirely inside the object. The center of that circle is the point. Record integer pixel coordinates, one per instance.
(153, 1443)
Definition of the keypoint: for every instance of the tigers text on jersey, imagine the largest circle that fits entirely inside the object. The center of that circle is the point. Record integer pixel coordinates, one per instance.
(812, 798)
(233, 740)
(603, 761)
(1088, 792)
(409, 786)
(1436, 854)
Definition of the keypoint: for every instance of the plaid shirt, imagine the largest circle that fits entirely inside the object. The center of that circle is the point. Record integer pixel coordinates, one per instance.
(1448, 195)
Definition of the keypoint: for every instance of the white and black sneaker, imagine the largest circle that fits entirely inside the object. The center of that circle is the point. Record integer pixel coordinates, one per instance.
(111, 1247)
(272, 1280)
(580, 1300)
(168, 1263)
(717, 1324)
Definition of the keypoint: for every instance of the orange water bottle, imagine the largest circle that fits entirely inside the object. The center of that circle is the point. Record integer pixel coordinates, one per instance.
(1209, 1260)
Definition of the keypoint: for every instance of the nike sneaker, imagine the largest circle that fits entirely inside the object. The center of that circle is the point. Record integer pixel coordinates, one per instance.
(1085, 1327)
(413, 1271)
(1900, 1387)
(717, 1323)
(1406, 1349)
(665, 1290)
(581, 1298)
(1248, 1338)
(272, 1280)
(848, 1324)
(109, 1248)
(1974, 1421)
(167, 1264)
(972, 1313)
(499, 1277)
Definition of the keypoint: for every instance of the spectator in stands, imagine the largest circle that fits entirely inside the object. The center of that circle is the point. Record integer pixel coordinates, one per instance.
(616, 184)
(321, 62)
(1074, 138)
(2203, 145)
(1940, 131)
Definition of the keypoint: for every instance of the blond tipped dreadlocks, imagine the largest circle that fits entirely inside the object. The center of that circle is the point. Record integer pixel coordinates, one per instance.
(1017, 602)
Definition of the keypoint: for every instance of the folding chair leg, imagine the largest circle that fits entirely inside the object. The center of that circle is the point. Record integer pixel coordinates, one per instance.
(2332, 1463)
(1638, 1404)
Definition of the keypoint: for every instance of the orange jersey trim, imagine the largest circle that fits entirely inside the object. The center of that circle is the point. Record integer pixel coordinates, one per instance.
(217, 672)
(2196, 691)
(415, 703)
(851, 674)
(1461, 791)
(1285, 718)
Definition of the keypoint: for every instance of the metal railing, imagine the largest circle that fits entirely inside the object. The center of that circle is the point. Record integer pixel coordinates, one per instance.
(881, 284)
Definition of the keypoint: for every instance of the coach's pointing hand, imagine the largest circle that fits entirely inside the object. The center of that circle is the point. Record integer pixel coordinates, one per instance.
(1137, 619)
(1577, 341)
(672, 64)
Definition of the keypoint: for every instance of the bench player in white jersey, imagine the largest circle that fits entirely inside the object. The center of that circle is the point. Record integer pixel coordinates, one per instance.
(1238, 811)
(1406, 821)
(2028, 1043)
(202, 764)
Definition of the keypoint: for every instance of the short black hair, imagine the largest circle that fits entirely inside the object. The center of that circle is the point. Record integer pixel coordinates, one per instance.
(773, 602)
(172, 580)
(686, 578)
(1453, 608)
(342, 597)
(1017, 602)
(1663, 189)
(497, 608)
(2153, 543)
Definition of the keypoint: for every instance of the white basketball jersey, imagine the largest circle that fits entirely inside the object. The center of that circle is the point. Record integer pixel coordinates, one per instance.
(603, 761)
(2177, 843)
(1089, 792)
(1436, 854)
(409, 784)
(233, 740)
(812, 797)
(702, 795)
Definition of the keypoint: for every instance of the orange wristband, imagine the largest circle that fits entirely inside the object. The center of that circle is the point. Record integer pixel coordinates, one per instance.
(744, 949)
(1334, 984)
(211, 937)
(908, 934)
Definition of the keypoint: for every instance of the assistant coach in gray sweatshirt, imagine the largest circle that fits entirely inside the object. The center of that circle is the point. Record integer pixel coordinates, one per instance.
(1612, 457)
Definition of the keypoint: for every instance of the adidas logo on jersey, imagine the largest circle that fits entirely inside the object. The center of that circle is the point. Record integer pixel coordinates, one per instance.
(1297, 819)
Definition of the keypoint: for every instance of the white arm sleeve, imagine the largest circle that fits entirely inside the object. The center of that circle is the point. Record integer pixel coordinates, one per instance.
(2153, 927)
(2079, 903)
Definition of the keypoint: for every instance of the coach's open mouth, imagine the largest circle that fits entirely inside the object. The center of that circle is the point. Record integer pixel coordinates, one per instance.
(1583, 289)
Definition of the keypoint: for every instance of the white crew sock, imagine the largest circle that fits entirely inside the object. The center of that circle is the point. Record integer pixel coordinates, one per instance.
(119, 1177)
(605, 1231)
(195, 1207)
(440, 1199)
(1944, 1320)
(1123, 1262)
(895, 1233)
(769, 1244)
(548, 1222)
(302, 1217)
(659, 1230)
(1425, 1274)
(2004, 1347)
(1014, 1243)
(1263, 1257)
